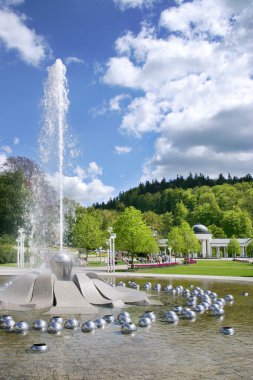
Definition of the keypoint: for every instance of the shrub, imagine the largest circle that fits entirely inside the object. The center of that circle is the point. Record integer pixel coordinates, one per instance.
(8, 254)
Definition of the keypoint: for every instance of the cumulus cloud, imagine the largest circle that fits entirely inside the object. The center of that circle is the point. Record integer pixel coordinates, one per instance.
(195, 70)
(115, 102)
(70, 60)
(86, 193)
(16, 35)
(126, 4)
(16, 141)
(122, 149)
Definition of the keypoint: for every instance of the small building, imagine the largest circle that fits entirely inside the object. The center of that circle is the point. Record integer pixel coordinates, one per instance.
(216, 246)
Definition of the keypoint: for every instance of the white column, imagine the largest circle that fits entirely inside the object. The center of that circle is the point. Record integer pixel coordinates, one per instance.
(209, 250)
(203, 248)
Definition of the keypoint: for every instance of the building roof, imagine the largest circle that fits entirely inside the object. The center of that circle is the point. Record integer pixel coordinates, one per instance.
(200, 229)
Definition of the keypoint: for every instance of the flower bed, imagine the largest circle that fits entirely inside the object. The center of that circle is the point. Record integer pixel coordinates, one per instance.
(190, 261)
(154, 265)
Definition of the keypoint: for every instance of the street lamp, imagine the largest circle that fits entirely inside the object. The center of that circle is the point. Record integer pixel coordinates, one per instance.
(111, 253)
(170, 249)
(100, 252)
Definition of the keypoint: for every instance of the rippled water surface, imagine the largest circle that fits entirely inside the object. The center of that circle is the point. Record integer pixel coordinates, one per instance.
(188, 350)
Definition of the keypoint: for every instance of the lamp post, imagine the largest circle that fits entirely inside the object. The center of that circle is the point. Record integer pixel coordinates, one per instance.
(100, 252)
(170, 249)
(111, 253)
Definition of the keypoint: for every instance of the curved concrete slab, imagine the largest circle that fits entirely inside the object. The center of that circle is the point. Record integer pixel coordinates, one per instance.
(68, 299)
(91, 293)
(129, 296)
(43, 291)
(19, 292)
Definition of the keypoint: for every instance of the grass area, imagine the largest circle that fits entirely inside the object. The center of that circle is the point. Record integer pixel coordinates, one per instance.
(8, 265)
(206, 267)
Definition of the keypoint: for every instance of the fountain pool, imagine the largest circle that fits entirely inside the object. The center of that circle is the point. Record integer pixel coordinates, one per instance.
(191, 350)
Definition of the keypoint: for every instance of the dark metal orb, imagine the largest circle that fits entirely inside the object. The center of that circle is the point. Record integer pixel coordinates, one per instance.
(128, 328)
(71, 324)
(40, 324)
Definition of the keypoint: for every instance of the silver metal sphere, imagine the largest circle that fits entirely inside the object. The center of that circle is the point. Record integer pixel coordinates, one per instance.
(57, 319)
(123, 314)
(244, 294)
(5, 318)
(213, 295)
(167, 288)
(21, 327)
(191, 302)
(229, 298)
(206, 305)
(157, 287)
(39, 348)
(199, 309)
(150, 315)
(173, 291)
(171, 317)
(124, 320)
(88, 326)
(8, 324)
(61, 265)
(54, 327)
(190, 314)
(186, 293)
(128, 328)
(145, 322)
(40, 324)
(227, 330)
(100, 323)
(146, 286)
(121, 284)
(177, 309)
(109, 318)
(71, 324)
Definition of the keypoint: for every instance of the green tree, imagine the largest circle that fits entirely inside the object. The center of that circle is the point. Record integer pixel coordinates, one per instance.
(154, 221)
(180, 213)
(175, 240)
(190, 242)
(86, 231)
(234, 248)
(133, 235)
(217, 232)
(237, 222)
(249, 249)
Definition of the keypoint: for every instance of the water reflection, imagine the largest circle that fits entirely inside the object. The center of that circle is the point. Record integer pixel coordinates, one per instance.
(185, 350)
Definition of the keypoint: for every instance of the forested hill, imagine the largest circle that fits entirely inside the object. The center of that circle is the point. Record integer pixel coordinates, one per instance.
(163, 196)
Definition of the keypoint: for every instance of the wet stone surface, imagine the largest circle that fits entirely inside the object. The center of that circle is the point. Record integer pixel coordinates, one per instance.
(190, 350)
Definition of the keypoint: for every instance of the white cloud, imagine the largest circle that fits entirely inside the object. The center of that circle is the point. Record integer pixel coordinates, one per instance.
(196, 79)
(16, 141)
(122, 149)
(94, 170)
(6, 148)
(70, 60)
(126, 4)
(115, 103)
(80, 191)
(14, 34)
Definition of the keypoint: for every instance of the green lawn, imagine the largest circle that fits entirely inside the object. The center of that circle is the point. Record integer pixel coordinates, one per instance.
(206, 267)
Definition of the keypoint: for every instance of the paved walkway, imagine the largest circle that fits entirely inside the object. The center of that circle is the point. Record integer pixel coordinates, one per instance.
(11, 271)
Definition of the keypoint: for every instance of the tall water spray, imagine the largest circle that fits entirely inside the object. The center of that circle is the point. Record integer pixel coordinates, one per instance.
(56, 103)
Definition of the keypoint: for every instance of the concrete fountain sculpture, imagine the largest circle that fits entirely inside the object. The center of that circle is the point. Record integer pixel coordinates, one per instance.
(60, 291)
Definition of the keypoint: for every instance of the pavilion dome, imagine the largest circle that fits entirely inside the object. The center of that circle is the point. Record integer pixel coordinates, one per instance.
(200, 229)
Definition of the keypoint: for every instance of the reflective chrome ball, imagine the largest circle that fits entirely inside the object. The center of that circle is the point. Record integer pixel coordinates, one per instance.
(39, 347)
(123, 320)
(100, 323)
(109, 318)
(177, 309)
(54, 327)
(186, 293)
(157, 287)
(167, 288)
(190, 314)
(123, 315)
(227, 330)
(57, 319)
(229, 298)
(199, 309)
(171, 317)
(21, 327)
(88, 326)
(5, 318)
(121, 284)
(146, 286)
(7, 325)
(71, 324)
(40, 324)
(244, 294)
(145, 322)
(128, 328)
(150, 315)
(213, 295)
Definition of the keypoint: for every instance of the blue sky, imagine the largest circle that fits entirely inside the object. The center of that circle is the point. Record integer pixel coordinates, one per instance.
(156, 87)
